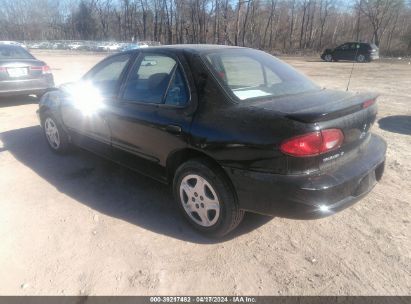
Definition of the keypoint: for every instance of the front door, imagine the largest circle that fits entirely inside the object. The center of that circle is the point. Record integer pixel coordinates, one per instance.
(152, 117)
(83, 111)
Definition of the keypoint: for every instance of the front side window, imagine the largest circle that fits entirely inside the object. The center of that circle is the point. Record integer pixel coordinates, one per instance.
(106, 76)
(343, 47)
(157, 79)
(249, 74)
(111, 69)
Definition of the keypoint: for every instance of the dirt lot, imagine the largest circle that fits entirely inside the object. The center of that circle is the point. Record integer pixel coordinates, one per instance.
(80, 225)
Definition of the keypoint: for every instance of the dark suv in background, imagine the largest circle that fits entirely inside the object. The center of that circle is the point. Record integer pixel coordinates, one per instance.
(355, 51)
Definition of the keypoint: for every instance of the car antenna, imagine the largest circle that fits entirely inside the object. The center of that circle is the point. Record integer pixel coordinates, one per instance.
(352, 68)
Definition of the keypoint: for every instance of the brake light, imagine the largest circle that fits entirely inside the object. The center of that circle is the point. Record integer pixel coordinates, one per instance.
(314, 143)
(331, 140)
(2, 69)
(45, 69)
(368, 103)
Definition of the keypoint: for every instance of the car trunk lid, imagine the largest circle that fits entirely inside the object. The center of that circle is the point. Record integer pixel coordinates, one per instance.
(353, 114)
(318, 106)
(16, 69)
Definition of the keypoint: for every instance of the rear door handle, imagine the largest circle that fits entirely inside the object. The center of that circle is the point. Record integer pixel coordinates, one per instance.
(173, 129)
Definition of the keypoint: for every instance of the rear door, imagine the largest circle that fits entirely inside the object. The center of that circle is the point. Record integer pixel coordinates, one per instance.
(84, 109)
(353, 51)
(153, 116)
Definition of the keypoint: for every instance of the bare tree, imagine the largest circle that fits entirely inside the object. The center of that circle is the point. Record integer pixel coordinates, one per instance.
(377, 11)
(273, 25)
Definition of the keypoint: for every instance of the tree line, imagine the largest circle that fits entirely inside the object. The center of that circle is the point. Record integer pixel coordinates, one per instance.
(273, 25)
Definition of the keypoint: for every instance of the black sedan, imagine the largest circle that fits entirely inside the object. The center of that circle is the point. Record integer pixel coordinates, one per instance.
(231, 129)
(21, 73)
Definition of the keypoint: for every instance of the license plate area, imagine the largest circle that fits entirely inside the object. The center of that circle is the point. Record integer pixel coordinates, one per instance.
(17, 72)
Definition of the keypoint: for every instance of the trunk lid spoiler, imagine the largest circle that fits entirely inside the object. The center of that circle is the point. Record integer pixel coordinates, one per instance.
(318, 106)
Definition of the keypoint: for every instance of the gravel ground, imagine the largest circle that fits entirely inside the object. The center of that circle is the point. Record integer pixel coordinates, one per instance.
(78, 224)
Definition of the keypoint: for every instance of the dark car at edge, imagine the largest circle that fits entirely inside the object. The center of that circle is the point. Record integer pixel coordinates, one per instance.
(231, 129)
(21, 73)
(352, 51)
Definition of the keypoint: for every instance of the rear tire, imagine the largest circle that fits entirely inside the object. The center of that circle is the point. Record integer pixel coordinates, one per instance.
(361, 58)
(206, 198)
(57, 139)
(328, 57)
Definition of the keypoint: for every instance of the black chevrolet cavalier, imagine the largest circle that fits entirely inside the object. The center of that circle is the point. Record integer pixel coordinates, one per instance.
(231, 129)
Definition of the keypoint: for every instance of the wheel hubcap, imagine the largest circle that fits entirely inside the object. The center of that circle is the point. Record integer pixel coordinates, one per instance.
(199, 200)
(361, 58)
(52, 133)
(328, 58)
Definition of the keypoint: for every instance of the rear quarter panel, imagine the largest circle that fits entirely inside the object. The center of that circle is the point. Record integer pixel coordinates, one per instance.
(239, 136)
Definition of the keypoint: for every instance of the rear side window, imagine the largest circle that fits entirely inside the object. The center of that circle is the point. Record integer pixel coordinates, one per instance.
(14, 52)
(250, 74)
(364, 46)
(156, 79)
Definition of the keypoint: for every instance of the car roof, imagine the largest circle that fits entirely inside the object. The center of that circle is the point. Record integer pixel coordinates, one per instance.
(10, 46)
(357, 42)
(7, 45)
(192, 48)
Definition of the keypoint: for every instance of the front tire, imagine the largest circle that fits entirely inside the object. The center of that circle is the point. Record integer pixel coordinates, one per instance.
(55, 135)
(328, 57)
(206, 198)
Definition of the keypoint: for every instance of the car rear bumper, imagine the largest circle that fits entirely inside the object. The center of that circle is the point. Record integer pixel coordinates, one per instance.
(311, 196)
(26, 86)
(374, 56)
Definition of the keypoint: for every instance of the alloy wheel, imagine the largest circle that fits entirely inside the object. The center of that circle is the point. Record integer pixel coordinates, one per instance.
(52, 133)
(199, 200)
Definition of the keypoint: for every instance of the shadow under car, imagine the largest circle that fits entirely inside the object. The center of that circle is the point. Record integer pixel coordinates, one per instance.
(397, 124)
(110, 188)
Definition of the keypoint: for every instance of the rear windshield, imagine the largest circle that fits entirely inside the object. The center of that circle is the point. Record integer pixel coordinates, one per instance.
(250, 74)
(14, 52)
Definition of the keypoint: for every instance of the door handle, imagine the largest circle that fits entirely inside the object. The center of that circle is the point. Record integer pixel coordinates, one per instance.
(173, 129)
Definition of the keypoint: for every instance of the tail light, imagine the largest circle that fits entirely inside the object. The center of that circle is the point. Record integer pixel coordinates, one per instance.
(45, 69)
(2, 69)
(314, 143)
(368, 103)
